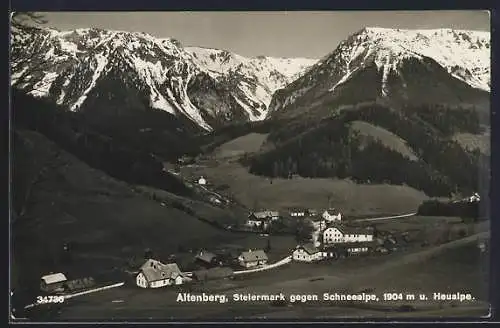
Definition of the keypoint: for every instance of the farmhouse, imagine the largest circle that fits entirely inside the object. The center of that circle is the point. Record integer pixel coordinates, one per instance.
(252, 258)
(306, 253)
(332, 215)
(262, 218)
(298, 212)
(207, 259)
(202, 181)
(154, 274)
(264, 215)
(338, 234)
(53, 282)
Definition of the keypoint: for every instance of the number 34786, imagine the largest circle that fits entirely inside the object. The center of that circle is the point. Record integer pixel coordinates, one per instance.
(49, 299)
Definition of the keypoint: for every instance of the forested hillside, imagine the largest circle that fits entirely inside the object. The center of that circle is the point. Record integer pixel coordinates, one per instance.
(123, 149)
(332, 148)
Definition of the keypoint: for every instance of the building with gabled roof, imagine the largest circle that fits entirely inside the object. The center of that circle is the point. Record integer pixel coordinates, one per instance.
(207, 258)
(332, 215)
(306, 253)
(336, 233)
(154, 274)
(252, 258)
(53, 282)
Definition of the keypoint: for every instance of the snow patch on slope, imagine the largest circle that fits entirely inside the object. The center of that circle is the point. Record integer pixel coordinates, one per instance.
(101, 64)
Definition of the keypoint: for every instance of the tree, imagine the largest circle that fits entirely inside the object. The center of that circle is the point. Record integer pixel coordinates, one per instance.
(268, 247)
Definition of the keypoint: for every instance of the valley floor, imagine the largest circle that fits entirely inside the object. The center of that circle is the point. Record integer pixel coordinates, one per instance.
(223, 168)
(449, 268)
(110, 222)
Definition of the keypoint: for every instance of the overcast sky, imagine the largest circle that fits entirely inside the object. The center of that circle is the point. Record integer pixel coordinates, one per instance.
(280, 34)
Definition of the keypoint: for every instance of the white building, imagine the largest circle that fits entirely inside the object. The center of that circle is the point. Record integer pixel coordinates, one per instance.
(332, 215)
(252, 259)
(306, 253)
(202, 181)
(338, 234)
(154, 274)
(298, 213)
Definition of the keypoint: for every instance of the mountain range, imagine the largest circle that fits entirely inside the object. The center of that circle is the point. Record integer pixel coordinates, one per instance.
(420, 97)
(84, 68)
(415, 66)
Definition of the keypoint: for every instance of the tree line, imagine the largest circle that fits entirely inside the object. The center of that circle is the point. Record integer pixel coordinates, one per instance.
(102, 151)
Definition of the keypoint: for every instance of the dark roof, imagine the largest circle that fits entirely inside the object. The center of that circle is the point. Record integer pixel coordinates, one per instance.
(309, 248)
(333, 211)
(206, 256)
(256, 255)
(298, 209)
(349, 230)
(155, 270)
(265, 214)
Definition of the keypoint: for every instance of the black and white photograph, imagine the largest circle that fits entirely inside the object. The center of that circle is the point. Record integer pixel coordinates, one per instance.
(249, 165)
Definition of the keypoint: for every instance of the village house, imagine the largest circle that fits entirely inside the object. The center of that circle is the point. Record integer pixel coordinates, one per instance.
(207, 259)
(253, 258)
(154, 274)
(261, 219)
(332, 215)
(307, 253)
(265, 215)
(53, 282)
(340, 234)
(202, 181)
(298, 212)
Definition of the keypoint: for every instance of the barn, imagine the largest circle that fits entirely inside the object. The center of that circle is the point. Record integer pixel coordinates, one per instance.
(53, 282)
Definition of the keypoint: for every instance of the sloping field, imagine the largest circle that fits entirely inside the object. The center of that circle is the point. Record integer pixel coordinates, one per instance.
(387, 138)
(72, 202)
(249, 143)
(349, 197)
(473, 141)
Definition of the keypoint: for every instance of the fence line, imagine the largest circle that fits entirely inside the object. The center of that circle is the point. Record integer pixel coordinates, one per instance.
(82, 293)
(94, 290)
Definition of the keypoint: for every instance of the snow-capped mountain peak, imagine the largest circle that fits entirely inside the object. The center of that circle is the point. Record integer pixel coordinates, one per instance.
(464, 54)
(207, 86)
